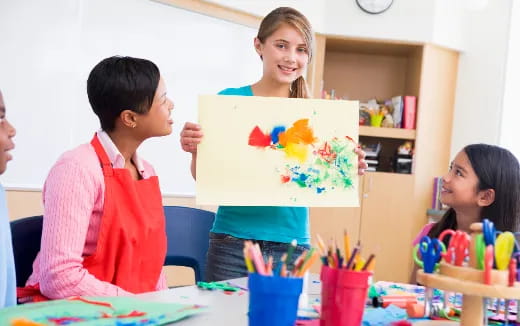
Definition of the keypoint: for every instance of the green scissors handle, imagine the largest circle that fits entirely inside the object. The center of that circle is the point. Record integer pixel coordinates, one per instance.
(419, 262)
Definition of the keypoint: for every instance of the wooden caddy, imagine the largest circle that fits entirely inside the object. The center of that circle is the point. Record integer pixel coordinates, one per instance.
(470, 282)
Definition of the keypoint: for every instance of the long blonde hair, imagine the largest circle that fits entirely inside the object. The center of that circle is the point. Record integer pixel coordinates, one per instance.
(292, 17)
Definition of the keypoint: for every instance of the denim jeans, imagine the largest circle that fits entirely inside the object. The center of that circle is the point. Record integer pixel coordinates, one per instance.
(225, 258)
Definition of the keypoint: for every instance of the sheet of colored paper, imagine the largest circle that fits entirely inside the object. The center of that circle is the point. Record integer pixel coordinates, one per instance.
(270, 151)
(104, 311)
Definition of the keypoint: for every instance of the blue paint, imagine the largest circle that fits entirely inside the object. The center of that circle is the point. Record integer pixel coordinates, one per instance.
(276, 131)
(319, 190)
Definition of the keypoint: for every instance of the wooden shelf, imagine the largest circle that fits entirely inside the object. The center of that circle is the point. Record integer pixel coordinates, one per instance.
(398, 133)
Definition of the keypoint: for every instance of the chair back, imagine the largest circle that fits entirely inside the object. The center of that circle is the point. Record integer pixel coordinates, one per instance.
(188, 237)
(26, 235)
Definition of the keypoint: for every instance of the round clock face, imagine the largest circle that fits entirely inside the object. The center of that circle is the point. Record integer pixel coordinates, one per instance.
(374, 6)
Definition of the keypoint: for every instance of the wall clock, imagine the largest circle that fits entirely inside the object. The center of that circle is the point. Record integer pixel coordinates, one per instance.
(374, 6)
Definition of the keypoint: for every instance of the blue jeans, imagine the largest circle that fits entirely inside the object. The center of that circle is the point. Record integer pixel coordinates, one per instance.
(225, 259)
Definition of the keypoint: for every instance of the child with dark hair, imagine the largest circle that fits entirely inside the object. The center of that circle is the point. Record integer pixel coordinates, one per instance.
(7, 272)
(103, 225)
(483, 182)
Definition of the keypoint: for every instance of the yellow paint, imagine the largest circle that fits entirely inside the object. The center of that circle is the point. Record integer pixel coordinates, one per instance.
(297, 151)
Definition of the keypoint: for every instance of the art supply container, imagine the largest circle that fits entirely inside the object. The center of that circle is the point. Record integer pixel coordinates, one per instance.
(376, 120)
(343, 296)
(351, 295)
(329, 282)
(273, 300)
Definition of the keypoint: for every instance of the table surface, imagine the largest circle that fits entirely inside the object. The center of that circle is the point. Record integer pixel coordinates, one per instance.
(223, 309)
(231, 309)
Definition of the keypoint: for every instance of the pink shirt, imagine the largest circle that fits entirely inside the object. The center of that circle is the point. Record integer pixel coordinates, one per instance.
(425, 230)
(73, 197)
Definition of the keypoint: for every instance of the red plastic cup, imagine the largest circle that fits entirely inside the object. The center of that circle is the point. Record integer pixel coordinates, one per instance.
(343, 296)
(329, 283)
(351, 295)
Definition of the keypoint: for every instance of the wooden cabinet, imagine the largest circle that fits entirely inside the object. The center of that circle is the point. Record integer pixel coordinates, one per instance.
(393, 205)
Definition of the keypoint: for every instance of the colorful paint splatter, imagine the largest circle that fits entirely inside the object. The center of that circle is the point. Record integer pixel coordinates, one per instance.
(321, 166)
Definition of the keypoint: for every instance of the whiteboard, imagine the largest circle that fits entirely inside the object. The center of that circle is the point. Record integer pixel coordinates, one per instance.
(47, 49)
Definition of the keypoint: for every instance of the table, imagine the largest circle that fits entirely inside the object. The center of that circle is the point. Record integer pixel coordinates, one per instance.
(231, 310)
(223, 309)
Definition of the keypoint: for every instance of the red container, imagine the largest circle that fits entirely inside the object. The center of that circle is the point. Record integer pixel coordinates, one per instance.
(329, 282)
(343, 296)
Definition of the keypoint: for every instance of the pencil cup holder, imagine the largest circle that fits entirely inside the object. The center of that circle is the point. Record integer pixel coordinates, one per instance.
(351, 295)
(376, 120)
(329, 281)
(343, 296)
(273, 300)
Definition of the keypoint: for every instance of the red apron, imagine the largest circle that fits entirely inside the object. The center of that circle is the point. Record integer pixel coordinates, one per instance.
(131, 245)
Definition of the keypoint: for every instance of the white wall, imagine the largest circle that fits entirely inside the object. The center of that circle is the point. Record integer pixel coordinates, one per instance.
(509, 131)
(480, 85)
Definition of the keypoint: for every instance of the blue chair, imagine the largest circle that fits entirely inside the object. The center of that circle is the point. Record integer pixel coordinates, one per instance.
(26, 236)
(188, 237)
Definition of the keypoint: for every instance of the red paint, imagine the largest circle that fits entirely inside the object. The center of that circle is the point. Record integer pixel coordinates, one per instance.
(134, 313)
(258, 138)
(65, 320)
(99, 303)
(286, 178)
(326, 153)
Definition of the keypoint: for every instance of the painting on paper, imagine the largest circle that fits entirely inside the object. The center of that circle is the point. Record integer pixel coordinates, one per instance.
(266, 151)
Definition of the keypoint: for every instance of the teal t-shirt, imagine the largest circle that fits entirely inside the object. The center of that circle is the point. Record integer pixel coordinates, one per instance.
(271, 223)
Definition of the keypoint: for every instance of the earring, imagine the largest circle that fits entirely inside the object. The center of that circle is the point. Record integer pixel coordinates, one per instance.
(134, 125)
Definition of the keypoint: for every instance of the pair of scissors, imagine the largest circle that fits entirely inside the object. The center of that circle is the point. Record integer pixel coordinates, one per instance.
(504, 248)
(489, 231)
(430, 250)
(458, 247)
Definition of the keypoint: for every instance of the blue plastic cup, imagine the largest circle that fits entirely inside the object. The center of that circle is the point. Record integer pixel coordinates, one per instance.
(273, 300)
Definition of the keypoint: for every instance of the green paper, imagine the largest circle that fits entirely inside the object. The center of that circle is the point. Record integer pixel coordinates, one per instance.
(156, 313)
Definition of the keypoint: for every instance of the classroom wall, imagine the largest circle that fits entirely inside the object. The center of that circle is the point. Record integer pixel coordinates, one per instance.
(481, 81)
(510, 114)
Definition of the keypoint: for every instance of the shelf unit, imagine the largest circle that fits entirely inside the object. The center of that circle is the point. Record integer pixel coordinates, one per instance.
(395, 133)
(393, 205)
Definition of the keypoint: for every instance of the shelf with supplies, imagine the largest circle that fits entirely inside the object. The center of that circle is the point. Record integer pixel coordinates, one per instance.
(398, 133)
(381, 74)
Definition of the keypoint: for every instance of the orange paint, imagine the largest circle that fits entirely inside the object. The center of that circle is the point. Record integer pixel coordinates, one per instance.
(295, 140)
(299, 133)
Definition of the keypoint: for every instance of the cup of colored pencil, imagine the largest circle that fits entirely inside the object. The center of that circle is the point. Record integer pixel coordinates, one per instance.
(344, 283)
(274, 288)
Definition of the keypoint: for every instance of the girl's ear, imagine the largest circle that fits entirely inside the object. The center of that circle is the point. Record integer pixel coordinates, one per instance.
(486, 197)
(258, 47)
(128, 118)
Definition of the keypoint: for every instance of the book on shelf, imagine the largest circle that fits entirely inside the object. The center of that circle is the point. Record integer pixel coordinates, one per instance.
(397, 115)
(436, 198)
(409, 112)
